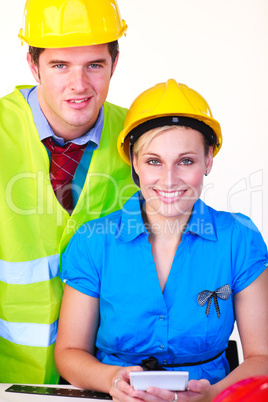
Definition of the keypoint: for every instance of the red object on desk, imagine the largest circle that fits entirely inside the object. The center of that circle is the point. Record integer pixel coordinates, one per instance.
(253, 389)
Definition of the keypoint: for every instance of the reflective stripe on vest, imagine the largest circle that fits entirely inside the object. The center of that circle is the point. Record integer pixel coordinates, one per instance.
(29, 334)
(23, 273)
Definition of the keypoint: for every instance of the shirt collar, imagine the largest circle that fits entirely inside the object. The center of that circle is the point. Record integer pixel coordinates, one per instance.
(132, 224)
(201, 222)
(45, 130)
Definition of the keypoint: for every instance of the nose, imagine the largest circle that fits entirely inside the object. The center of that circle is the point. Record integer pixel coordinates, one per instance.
(79, 80)
(170, 177)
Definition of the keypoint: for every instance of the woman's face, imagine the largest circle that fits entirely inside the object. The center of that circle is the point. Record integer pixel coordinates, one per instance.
(171, 168)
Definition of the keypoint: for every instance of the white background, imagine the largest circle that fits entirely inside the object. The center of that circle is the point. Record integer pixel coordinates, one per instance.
(217, 47)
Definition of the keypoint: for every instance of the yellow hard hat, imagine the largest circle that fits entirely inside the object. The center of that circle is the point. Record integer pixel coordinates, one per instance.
(71, 23)
(162, 105)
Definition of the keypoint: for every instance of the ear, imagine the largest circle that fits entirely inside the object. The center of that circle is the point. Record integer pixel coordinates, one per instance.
(115, 64)
(209, 160)
(33, 68)
(135, 163)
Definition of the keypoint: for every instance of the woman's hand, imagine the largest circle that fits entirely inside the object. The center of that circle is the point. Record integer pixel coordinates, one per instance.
(121, 389)
(198, 391)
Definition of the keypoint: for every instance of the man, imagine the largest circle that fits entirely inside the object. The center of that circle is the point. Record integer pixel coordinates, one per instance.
(59, 168)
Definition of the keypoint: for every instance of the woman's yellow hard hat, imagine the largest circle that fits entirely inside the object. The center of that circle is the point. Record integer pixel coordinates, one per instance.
(71, 23)
(168, 103)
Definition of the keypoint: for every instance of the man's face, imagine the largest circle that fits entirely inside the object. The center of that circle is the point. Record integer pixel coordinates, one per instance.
(74, 84)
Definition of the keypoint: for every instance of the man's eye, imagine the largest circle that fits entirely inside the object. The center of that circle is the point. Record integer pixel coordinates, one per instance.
(94, 66)
(59, 66)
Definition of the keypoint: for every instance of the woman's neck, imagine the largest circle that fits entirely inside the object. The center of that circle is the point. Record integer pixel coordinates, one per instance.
(165, 235)
(166, 228)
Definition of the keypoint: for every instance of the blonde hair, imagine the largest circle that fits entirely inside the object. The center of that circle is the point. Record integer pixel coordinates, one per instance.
(147, 137)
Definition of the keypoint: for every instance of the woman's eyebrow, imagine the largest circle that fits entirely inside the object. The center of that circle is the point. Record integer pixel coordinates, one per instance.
(180, 154)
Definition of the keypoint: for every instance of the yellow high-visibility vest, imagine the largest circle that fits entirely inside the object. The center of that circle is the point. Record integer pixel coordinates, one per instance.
(33, 224)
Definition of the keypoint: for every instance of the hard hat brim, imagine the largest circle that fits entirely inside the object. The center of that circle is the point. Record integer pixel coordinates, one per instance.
(158, 121)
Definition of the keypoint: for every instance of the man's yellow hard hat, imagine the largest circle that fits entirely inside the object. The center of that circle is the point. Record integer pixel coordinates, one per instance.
(168, 103)
(71, 23)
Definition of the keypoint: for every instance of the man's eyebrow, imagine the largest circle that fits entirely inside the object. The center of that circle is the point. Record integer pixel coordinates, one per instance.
(58, 61)
(97, 61)
(55, 61)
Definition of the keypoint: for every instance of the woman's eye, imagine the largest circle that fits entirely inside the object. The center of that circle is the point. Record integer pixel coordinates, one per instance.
(154, 162)
(186, 162)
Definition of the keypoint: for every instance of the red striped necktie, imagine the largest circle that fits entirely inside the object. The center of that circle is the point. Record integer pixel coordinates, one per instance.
(63, 164)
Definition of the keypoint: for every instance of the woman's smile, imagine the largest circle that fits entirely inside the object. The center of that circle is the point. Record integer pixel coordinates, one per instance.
(169, 196)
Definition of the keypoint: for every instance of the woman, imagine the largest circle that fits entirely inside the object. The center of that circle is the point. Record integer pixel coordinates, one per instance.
(162, 280)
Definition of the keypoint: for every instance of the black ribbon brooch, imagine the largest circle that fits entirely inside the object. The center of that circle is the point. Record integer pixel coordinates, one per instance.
(206, 296)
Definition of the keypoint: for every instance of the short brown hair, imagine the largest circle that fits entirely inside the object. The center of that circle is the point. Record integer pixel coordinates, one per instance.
(35, 52)
(113, 48)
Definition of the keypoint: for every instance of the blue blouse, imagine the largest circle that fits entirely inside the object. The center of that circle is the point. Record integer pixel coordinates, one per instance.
(110, 258)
